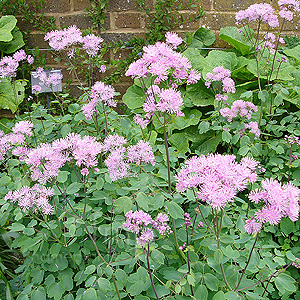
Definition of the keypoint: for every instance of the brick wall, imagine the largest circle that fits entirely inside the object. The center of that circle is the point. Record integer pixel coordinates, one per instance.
(124, 21)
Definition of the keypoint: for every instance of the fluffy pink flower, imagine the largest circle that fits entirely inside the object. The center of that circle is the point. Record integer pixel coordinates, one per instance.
(63, 39)
(279, 201)
(252, 227)
(91, 44)
(217, 178)
(35, 198)
(263, 12)
(173, 39)
(24, 127)
(140, 153)
(100, 93)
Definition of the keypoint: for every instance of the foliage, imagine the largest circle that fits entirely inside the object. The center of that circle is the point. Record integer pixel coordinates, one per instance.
(116, 225)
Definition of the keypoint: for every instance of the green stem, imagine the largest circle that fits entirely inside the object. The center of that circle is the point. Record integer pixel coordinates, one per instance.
(252, 249)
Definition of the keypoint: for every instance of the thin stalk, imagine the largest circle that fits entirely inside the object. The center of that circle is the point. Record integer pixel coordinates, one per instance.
(66, 199)
(290, 163)
(149, 271)
(106, 122)
(167, 154)
(188, 256)
(252, 249)
(94, 243)
(202, 214)
(268, 278)
(218, 245)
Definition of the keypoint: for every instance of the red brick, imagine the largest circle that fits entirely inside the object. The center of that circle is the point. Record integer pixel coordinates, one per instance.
(119, 5)
(215, 21)
(232, 5)
(53, 6)
(82, 21)
(80, 5)
(128, 20)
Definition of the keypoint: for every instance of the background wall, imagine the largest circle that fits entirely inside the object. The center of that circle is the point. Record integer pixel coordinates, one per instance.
(124, 20)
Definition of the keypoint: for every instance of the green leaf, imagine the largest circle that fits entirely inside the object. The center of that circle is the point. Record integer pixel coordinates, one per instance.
(123, 205)
(73, 188)
(15, 44)
(158, 257)
(211, 281)
(205, 36)
(38, 294)
(219, 296)
(203, 127)
(199, 94)
(176, 212)
(136, 288)
(295, 53)
(195, 58)
(287, 226)
(142, 200)
(55, 290)
(89, 294)
(229, 252)
(218, 256)
(210, 145)
(62, 176)
(121, 276)
(284, 283)
(104, 285)
(67, 282)
(90, 269)
(134, 97)
(11, 94)
(226, 136)
(16, 227)
(232, 296)
(5, 181)
(7, 24)
(217, 58)
(239, 41)
(179, 141)
(201, 293)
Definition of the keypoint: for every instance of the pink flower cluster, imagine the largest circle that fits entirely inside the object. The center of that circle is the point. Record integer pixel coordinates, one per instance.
(100, 93)
(118, 162)
(170, 101)
(64, 39)
(270, 40)
(9, 64)
(46, 160)
(290, 139)
(15, 141)
(138, 220)
(217, 178)
(223, 76)
(287, 8)
(278, 200)
(239, 108)
(262, 12)
(49, 81)
(35, 198)
(162, 62)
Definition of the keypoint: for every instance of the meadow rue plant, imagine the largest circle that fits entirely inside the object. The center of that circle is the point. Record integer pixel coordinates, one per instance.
(182, 197)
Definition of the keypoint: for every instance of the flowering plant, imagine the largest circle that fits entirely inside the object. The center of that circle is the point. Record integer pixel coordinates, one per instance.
(171, 201)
